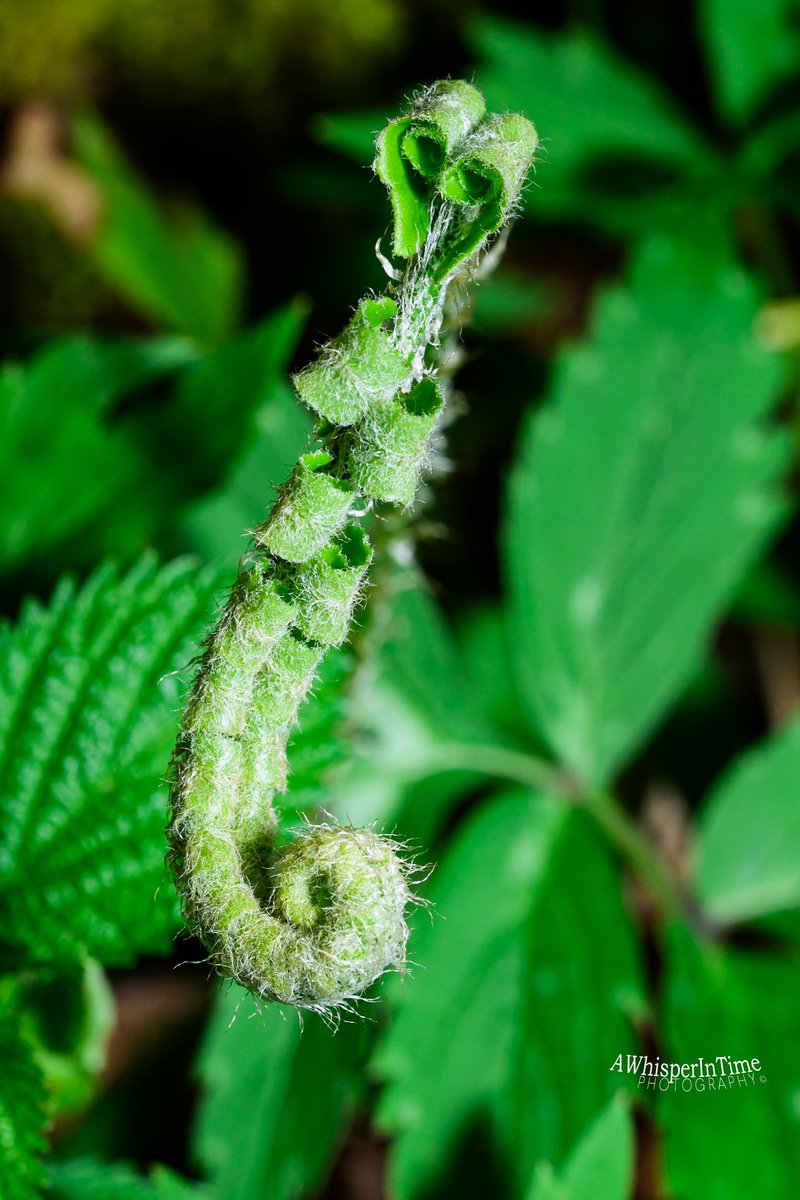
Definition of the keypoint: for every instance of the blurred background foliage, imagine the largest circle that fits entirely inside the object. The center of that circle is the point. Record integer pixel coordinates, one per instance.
(600, 592)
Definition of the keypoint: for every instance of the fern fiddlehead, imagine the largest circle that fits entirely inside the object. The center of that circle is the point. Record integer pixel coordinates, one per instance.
(314, 922)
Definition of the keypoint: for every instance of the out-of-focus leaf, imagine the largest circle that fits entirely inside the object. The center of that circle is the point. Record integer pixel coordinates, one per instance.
(184, 272)
(22, 1112)
(749, 847)
(596, 115)
(216, 526)
(750, 48)
(276, 1097)
(641, 494)
(505, 302)
(69, 1015)
(219, 404)
(742, 1005)
(600, 1165)
(767, 597)
(89, 702)
(420, 658)
(519, 992)
(63, 461)
(92, 1179)
(351, 133)
(485, 652)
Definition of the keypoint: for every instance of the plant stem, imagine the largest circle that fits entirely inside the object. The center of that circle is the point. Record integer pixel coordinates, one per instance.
(514, 765)
(642, 856)
(520, 767)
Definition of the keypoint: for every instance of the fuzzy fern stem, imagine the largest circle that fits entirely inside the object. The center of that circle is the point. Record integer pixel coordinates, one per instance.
(315, 922)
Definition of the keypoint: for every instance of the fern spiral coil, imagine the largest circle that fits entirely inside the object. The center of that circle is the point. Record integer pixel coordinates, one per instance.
(314, 923)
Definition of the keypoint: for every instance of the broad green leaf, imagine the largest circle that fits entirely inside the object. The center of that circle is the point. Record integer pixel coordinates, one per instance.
(89, 703)
(22, 1112)
(216, 525)
(182, 272)
(276, 1098)
(486, 656)
(640, 496)
(596, 115)
(219, 404)
(420, 658)
(601, 1163)
(751, 48)
(749, 839)
(57, 441)
(741, 1141)
(241, 400)
(92, 1179)
(525, 972)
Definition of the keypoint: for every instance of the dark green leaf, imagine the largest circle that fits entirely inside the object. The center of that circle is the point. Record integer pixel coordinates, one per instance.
(591, 109)
(276, 1100)
(89, 702)
(742, 1140)
(58, 444)
(22, 1112)
(640, 496)
(519, 994)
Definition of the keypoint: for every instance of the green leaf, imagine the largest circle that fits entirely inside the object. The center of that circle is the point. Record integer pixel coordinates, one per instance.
(520, 993)
(22, 1113)
(594, 113)
(276, 1099)
(743, 1141)
(351, 133)
(89, 698)
(92, 1179)
(182, 272)
(319, 744)
(751, 48)
(239, 400)
(69, 1016)
(217, 402)
(57, 440)
(640, 496)
(601, 1164)
(749, 839)
(420, 659)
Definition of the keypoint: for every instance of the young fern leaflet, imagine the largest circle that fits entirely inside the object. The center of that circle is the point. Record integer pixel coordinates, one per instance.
(314, 923)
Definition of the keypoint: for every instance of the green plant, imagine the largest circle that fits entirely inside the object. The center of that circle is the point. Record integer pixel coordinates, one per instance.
(587, 742)
(314, 923)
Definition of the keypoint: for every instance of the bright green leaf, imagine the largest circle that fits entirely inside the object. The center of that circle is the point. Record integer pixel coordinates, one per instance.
(520, 992)
(276, 1098)
(749, 840)
(601, 1164)
(185, 272)
(89, 698)
(751, 48)
(92, 1179)
(22, 1113)
(742, 1140)
(640, 496)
